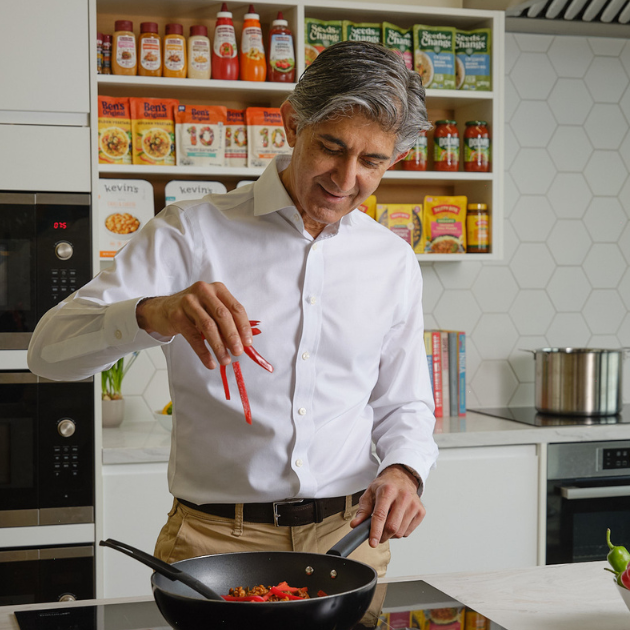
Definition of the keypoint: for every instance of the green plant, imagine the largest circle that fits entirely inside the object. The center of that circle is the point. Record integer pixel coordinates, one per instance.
(111, 380)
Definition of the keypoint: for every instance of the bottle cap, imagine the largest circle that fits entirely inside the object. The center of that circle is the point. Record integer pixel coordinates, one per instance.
(224, 13)
(280, 21)
(99, 37)
(476, 122)
(107, 38)
(123, 25)
(174, 29)
(199, 29)
(251, 13)
(148, 27)
(446, 122)
(477, 206)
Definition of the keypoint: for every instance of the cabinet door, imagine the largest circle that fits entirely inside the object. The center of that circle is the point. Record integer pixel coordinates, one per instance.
(136, 502)
(481, 514)
(44, 56)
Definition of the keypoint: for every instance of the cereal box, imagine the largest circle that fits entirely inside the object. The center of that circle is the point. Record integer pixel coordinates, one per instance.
(114, 130)
(363, 32)
(235, 138)
(319, 35)
(472, 59)
(200, 135)
(369, 206)
(400, 40)
(438, 618)
(405, 220)
(434, 56)
(153, 130)
(266, 136)
(445, 225)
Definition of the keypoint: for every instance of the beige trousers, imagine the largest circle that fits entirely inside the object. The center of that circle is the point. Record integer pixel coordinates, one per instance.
(189, 533)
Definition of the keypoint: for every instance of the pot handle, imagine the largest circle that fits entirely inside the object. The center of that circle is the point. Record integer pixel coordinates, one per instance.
(352, 540)
(526, 350)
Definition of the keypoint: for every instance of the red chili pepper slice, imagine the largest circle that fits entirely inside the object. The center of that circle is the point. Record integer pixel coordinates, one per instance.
(245, 598)
(283, 586)
(255, 331)
(226, 386)
(254, 322)
(242, 391)
(257, 358)
(321, 594)
(276, 591)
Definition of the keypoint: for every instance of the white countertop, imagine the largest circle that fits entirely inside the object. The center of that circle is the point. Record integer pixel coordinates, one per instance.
(561, 597)
(146, 442)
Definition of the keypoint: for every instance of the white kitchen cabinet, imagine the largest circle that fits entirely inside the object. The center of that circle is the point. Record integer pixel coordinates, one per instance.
(482, 514)
(136, 502)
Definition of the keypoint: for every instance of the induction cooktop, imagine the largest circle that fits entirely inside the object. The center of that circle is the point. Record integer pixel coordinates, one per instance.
(529, 415)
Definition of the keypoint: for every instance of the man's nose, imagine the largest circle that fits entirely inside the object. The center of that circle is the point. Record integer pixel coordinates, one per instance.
(345, 174)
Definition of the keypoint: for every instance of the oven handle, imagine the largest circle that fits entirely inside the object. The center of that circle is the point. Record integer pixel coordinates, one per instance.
(601, 492)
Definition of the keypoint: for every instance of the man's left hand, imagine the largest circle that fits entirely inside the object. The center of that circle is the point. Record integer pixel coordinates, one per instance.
(392, 500)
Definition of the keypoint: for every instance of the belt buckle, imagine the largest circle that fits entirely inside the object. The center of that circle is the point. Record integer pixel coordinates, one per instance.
(276, 516)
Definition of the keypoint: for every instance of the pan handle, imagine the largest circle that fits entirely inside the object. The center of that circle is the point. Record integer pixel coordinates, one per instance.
(161, 567)
(352, 540)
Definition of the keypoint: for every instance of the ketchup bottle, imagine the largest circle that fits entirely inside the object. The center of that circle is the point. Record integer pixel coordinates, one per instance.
(224, 52)
(281, 55)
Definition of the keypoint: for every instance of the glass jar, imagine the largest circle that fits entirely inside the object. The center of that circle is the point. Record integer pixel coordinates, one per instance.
(416, 159)
(478, 234)
(124, 59)
(149, 51)
(446, 146)
(477, 147)
(174, 65)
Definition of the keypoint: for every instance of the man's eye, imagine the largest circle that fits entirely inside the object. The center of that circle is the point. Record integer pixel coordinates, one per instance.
(371, 164)
(330, 151)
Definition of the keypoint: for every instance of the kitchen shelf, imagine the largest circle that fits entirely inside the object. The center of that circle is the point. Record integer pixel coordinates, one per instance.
(179, 171)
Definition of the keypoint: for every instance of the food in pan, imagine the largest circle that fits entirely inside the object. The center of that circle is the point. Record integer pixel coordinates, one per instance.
(280, 593)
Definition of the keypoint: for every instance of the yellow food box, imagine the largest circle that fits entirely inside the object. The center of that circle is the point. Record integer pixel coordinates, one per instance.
(405, 220)
(369, 206)
(444, 222)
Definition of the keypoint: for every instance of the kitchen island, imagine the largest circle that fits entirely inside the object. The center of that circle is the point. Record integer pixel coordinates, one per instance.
(560, 597)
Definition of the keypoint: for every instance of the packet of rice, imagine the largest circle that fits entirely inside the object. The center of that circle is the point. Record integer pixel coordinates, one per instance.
(236, 138)
(472, 50)
(319, 35)
(400, 40)
(200, 135)
(114, 130)
(265, 132)
(362, 32)
(434, 56)
(153, 130)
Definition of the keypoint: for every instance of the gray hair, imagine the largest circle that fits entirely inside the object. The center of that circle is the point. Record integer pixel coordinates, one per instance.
(369, 77)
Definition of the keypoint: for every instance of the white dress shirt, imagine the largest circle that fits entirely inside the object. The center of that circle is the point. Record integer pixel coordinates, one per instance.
(341, 321)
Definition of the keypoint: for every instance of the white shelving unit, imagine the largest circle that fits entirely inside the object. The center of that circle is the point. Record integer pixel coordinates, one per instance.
(397, 186)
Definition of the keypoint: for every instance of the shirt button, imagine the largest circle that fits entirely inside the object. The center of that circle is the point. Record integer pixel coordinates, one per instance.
(312, 299)
(315, 246)
(118, 334)
(305, 356)
(299, 463)
(302, 411)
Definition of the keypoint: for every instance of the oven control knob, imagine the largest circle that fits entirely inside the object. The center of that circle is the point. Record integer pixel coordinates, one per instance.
(67, 597)
(64, 250)
(66, 428)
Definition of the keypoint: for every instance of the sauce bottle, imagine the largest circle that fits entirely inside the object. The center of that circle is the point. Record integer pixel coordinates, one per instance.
(225, 64)
(446, 146)
(107, 54)
(149, 51)
(253, 65)
(477, 147)
(198, 53)
(477, 229)
(416, 159)
(174, 52)
(281, 55)
(124, 59)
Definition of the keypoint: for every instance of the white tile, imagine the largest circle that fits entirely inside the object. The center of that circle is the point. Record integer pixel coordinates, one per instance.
(136, 410)
(494, 383)
(605, 173)
(473, 360)
(570, 56)
(495, 289)
(533, 124)
(624, 289)
(432, 287)
(624, 103)
(139, 375)
(521, 361)
(533, 171)
(510, 245)
(495, 336)
(568, 330)
(512, 52)
(524, 396)
(157, 357)
(624, 198)
(624, 149)
(607, 46)
(568, 289)
(569, 242)
(511, 99)
(604, 266)
(604, 311)
(606, 79)
(533, 76)
(532, 312)
(623, 335)
(605, 219)
(569, 196)
(625, 56)
(510, 146)
(458, 276)
(570, 149)
(510, 194)
(157, 393)
(607, 342)
(532, 266)
(570, 101)
(529, 42)
(606, 126)
(457, 310)
(532, 218)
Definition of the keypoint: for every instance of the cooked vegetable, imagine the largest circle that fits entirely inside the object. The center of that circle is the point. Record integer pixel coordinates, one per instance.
(279, 593)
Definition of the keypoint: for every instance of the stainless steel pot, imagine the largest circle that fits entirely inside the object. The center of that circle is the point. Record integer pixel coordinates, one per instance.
(579, 381)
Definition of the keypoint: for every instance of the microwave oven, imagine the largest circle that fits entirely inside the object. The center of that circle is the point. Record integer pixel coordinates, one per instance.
(45, 255)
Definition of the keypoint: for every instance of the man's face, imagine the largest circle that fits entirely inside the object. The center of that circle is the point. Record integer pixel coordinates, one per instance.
(335, 166)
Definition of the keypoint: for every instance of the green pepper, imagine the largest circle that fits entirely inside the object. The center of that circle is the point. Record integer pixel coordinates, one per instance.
(618, 557)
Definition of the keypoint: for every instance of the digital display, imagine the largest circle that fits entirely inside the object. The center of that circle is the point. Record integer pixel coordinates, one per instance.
(60, 225)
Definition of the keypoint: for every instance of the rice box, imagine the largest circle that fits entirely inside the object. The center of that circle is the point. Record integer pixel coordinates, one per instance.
(266, 136)
(434, 56)
(235, 138)
(472, 59)
(319, 35)
(153, 130)
(362, 32)
(114, 130)
(400, 40)
(445, 225)
(181, 190)
(200, 135)
(405, 220)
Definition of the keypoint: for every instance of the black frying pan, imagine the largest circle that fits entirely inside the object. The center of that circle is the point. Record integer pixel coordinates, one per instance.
(349, 586)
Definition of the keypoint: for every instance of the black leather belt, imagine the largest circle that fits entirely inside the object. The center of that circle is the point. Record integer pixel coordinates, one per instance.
(290, 513)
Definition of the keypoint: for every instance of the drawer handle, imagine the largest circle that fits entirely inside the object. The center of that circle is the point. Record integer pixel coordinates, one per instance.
(602, 492)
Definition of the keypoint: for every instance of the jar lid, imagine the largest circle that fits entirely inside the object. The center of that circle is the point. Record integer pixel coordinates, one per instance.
(477, 122)
(280, 21)
(99, 36)
(251, 13)
(224, 13)
(477, 206)
(123, 25)
(148, 27)
(174, 29)
(199, 29)
(446, 122)
(107, 38)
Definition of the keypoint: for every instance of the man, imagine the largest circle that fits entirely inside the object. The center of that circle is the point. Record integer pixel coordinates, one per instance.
(339, 299)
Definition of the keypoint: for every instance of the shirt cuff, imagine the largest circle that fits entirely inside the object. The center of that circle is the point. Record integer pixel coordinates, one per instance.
(121, 327)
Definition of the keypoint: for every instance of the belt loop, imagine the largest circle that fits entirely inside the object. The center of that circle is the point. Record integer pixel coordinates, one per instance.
(347, 514)
(238, 520)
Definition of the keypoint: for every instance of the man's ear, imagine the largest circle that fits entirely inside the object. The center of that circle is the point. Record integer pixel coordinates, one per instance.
(289, 120)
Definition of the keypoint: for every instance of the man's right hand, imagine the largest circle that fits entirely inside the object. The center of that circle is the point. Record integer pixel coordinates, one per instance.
(201, 311)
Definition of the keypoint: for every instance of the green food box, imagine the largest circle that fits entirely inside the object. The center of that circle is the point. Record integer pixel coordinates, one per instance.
(472, 50)
(400, 40)
(361, 32)
(319, 35)
(434, 55)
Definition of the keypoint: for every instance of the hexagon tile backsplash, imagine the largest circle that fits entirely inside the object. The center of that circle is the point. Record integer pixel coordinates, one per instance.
(565, 276)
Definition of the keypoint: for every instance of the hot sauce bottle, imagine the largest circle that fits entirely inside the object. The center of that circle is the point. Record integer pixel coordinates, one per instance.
(225, 64)
(281, 55)
(253, 65)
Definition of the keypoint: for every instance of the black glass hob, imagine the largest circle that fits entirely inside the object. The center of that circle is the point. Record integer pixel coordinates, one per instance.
(529, 415)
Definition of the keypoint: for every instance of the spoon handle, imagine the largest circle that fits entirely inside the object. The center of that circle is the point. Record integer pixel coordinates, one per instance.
(161, 567)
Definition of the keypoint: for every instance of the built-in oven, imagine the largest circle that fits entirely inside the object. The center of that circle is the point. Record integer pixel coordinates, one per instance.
(588, 492)
(46, 450)
(45, 255)
(46, 574)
